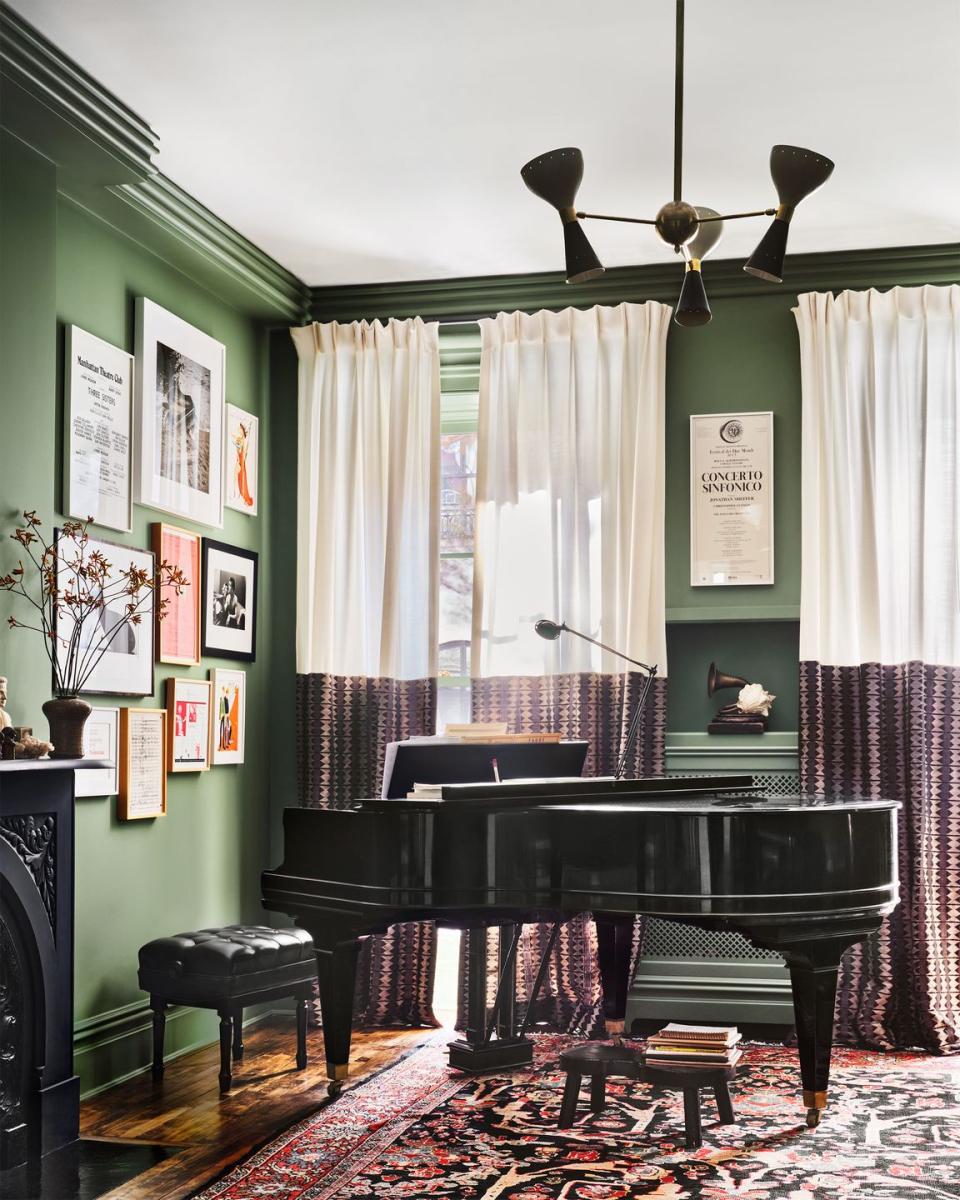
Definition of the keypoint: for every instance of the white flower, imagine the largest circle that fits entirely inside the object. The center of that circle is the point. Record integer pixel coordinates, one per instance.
(754, 698)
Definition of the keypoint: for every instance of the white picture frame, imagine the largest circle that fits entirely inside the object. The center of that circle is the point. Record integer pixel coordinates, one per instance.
(241, 458)
(180, 377)
(98, 430)
(101, 743)
(731, 499)
(189, 718)
(228, 724)
(126, 668)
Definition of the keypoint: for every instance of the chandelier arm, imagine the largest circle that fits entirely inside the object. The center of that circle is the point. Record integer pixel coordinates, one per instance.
(585, 216)
(760, 212)
(678, 110)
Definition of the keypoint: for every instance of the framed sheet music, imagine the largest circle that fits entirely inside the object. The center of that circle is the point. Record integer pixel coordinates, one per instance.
(143, 777)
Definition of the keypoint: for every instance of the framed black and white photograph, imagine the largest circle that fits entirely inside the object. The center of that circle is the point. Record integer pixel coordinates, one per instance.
(98, 415)
(115, 654)
(179, 426)
(229, 601)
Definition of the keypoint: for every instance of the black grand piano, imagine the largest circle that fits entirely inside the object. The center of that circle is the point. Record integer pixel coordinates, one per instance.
(803, 875)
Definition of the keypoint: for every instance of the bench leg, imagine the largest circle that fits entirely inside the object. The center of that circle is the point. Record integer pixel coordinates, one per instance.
(724, 1106)
(301, 1006)
(238, 1035)
(226, 1032)
(159, 1026)
(571, 1093)
(597, 1093)
(691, 1118)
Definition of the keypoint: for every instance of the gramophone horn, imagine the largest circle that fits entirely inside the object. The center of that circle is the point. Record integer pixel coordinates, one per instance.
(720, 679)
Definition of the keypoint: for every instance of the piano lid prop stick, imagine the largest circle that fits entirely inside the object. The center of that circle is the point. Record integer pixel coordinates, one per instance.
(496, 771)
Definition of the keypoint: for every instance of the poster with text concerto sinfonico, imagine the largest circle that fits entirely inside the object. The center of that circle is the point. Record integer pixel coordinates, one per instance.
(731, 499)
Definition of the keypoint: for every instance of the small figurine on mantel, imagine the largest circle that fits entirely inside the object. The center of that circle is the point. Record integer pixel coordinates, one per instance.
(17, 742)
(750, 711)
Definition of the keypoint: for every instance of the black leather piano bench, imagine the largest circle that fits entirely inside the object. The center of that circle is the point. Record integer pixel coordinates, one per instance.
(228, 969)
(599, 1061)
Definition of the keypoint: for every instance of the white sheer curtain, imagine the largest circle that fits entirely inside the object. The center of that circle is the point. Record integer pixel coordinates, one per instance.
(368, 486)
(881, 476)
(570, 489)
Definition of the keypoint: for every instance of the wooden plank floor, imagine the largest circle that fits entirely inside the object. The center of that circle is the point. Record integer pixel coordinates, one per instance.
(186, 1109)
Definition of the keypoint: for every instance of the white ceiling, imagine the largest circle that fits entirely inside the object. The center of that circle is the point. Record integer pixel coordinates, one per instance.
(371, 140)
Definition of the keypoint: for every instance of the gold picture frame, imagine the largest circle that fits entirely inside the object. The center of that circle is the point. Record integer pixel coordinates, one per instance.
(181, 548)
(143, 778)
(189, 718)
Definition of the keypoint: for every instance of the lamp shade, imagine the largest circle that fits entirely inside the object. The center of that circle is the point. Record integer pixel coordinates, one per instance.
(766, 262)
(692, 307)
(555, 176)
(797, 172)
(582, 262)
(707, 237)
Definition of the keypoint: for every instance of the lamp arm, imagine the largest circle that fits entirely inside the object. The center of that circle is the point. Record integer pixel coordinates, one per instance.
(634, 728)
(585, 216)
(761, 212)
(609, 649)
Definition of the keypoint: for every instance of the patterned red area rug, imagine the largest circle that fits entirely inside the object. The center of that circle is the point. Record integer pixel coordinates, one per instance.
(418, 1129)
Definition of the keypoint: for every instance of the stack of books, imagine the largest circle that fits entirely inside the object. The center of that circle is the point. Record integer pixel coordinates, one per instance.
(689, 1045)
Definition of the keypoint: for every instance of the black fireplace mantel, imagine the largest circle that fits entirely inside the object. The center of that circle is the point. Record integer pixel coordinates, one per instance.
(39, 1093)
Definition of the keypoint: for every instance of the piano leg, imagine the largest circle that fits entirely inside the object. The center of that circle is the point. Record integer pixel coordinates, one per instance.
(814, 994)
(336, 975)
(614, 946)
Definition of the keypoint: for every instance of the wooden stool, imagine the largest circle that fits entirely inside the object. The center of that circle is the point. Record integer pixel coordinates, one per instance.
(691, 1080)
(598, 1061)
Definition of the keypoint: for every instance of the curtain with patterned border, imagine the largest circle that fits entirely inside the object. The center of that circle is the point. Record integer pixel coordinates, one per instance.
(570, 520)
(880, 629)
(367, 587)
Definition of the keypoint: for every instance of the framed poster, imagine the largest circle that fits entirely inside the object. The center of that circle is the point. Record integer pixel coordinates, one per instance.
(229, 726)
(178, 432)
(119, 653)
(241, 455)
(101, 742)
(229, 601)
(143, 780)
(97, 450)
(178, 633)
(188, 725)
(731, 499)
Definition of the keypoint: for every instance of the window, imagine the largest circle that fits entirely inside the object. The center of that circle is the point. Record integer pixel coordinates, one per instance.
(458, 480)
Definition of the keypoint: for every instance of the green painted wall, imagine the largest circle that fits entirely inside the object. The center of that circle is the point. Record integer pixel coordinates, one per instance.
(199, 865)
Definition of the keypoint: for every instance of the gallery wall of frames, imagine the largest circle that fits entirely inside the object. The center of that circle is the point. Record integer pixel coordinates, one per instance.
(154, 428)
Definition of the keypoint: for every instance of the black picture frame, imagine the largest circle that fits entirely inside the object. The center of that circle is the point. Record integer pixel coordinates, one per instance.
(218, 638)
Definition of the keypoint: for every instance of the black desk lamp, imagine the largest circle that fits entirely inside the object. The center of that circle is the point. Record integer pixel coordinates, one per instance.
(550, 631)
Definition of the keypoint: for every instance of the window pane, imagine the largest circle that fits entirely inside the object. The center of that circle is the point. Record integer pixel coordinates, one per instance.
(458, 482)
(456, 593)
(453, 707)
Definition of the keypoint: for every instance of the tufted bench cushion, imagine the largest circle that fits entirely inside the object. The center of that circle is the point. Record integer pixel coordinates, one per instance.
(228, 969)
(232, 950)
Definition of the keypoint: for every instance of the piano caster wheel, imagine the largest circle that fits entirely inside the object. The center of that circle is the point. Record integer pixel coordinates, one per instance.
(813, 1117)
(334, 1088)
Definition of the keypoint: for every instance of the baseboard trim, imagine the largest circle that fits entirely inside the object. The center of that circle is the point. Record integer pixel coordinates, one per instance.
(113, 1036)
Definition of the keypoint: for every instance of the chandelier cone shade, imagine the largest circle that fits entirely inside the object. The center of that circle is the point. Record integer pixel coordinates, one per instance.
(555, 177)
(693, 308)
(796, 173)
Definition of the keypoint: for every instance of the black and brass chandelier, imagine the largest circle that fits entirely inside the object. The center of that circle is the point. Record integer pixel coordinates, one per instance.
(691, 231)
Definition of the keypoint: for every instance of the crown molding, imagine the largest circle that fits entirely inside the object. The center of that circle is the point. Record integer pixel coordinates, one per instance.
(471, 298)
(104, 154)
(55, 106)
